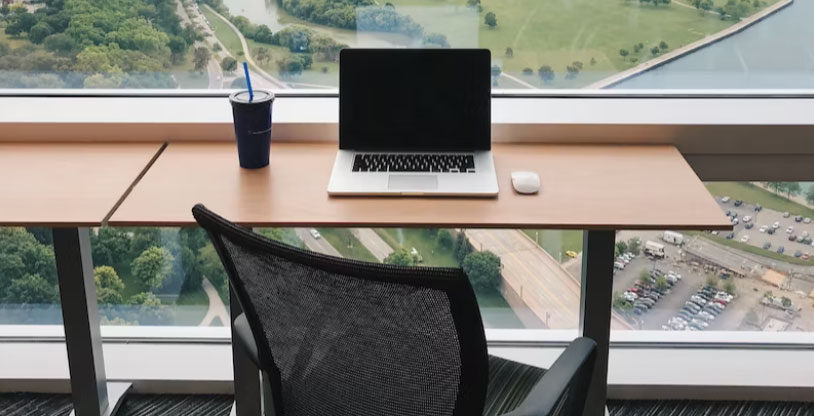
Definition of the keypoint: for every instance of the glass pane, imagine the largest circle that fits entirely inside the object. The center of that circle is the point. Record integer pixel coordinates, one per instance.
(760, 277)
(158, 276)
(29, 292)
(653, 44)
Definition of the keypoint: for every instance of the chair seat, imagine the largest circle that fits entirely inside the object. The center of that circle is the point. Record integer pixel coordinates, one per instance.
(509, 384)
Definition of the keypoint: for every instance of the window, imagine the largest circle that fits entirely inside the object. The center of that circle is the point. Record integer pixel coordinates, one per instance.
(653, 44)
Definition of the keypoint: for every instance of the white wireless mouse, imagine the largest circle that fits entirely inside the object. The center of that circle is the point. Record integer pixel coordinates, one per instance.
(525, 182)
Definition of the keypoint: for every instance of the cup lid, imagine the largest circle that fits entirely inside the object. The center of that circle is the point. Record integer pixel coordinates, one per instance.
(260, 96)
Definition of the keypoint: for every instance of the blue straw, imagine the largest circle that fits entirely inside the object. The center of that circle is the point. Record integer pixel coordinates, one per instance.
(248, 81)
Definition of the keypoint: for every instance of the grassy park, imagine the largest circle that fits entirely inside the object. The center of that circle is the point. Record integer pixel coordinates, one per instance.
(423, 240)
(347, 244)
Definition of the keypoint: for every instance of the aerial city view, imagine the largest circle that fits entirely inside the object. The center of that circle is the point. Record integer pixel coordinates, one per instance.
(295, 43)
(758, 278)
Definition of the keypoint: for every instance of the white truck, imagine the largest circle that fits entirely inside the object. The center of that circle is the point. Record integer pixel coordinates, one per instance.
(654, 249)
(673, 237)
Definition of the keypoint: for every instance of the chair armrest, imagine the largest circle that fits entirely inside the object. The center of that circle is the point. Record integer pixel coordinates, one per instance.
(574, 365)
(245, 338)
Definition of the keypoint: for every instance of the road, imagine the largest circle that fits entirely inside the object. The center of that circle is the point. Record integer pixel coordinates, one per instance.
(216, 307)
(372, 242)
(214, 72)
(268, 78)
(539, 280)
(316, 244)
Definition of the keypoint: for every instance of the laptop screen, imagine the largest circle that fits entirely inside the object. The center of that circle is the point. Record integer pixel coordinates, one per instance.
(414, 99)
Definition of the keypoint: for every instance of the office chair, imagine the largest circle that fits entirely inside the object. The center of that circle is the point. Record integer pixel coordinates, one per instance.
(344, 337)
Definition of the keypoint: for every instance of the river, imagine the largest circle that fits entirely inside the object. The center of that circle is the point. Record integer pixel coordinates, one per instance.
(777, 52)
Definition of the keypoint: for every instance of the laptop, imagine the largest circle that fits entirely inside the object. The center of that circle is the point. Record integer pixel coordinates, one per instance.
(414, 122)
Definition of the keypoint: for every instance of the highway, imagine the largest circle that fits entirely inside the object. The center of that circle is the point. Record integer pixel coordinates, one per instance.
(378, 247)
(316, 244)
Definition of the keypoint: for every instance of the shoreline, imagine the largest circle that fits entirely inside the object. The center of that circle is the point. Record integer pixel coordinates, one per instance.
(689, 48)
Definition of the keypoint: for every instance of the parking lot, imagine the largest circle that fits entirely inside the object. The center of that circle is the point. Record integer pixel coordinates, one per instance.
(768, 217)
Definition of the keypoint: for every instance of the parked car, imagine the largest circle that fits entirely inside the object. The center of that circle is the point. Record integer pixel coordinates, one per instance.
(767, 245)
(699, 322)
(705, 316)
(780, 250)
(745, 238)
(618, 266)
(763, 228)
(804, 234)
(806, 220)
(730, 236)
(786, 214)
(698, 300)
(771, 231)
(725, 199)
(776, 225)
(758, 207)
(798, 218)
(630, 296)
(734, 214)
(728, 213)
(738, 202)
(798, 253)
(789, 230)
(792, 237)
(749, 225)
(747, 218)
(314, 233)
(805, 256)
(571, 253)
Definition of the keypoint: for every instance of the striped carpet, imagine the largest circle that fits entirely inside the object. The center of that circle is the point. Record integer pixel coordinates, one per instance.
(30, 404)
(711, 408)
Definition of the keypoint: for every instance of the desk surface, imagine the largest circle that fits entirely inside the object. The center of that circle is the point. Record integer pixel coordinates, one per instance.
(67, 184)
(583, 187)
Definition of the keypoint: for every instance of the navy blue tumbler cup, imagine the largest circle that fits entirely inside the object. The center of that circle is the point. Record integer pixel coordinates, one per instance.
(252, 127)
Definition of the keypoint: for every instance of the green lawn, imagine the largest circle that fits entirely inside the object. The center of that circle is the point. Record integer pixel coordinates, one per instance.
(557, 241)
(226, 36)
(347, 244)
(757, 250)
(752, 194)
(13, 41)
(558, 32)
(423, 240)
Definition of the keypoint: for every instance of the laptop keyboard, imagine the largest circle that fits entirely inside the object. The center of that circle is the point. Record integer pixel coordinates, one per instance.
(421, 162)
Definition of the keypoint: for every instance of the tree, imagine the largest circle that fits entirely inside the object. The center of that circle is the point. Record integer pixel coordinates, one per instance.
(729, 287)
(545, 73)
(437, 40)
(621, 248)
(59, 43)
(712, 281)
(20, 22)
(30, 289)
(39, 32)
(145, 299)
(593, 61)
(263, 34)
(445, 239)
(216, 47)
(262, 54)
(624, 53)
(810, 195)
(228, 64)
(634, 245)
(401, 257)
(655, 50)
(786, 302)
(619, 302)
(483, 269)
(201, 58)
(107, 278)
(109, 246)
(792, 188)
(528, 71)
(509, 52)
(152, 266)
(473, 3)
(663, 45)
(212, 268)
(644, 276)
(661, 283)
(490, 19)
(462, 247)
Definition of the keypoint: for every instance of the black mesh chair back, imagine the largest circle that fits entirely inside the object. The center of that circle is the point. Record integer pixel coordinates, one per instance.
(342, 337)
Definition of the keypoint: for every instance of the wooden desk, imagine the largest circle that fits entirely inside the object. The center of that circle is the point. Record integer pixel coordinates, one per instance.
(72, 186)
(583, 187)
(596, 188)
(67, 184)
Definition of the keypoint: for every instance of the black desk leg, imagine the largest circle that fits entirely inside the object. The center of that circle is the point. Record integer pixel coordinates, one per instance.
(595, 309)
(92, 394)
(246, 374)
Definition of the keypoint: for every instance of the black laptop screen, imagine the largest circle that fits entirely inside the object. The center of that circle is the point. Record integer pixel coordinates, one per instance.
(414, 99)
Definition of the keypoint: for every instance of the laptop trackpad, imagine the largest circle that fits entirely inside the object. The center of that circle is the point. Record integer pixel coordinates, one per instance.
(412, 182)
